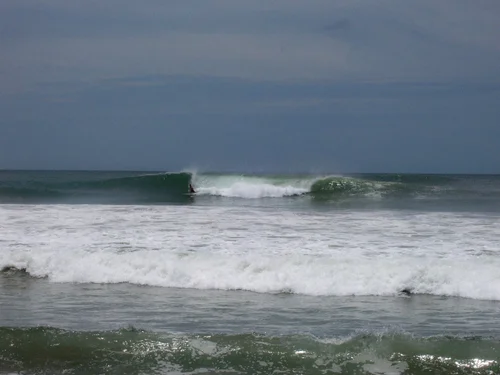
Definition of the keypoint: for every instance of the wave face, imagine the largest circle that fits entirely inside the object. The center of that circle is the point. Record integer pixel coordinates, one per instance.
(93, 187)
(137, 188)
(46, 350)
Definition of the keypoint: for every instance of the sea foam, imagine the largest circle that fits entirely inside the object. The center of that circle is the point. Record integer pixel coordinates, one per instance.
(317, 276)
(241, 248)
(250, 187)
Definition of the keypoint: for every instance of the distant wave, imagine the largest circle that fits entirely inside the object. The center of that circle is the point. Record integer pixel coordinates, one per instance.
(321, 187)
(329, 187)
(48, 350)
(173, 187)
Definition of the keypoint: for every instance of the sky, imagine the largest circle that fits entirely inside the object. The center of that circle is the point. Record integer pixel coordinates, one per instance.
(251, 86)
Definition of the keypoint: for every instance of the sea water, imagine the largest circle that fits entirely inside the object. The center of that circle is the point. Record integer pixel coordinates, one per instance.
(117, 272)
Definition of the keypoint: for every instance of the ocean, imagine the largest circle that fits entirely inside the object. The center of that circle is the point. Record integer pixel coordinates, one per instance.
(128, 273)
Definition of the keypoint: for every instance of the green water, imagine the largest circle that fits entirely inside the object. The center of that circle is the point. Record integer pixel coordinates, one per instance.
(50, 350)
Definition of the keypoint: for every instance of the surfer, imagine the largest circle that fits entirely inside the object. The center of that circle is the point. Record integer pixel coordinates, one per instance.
(191, 189)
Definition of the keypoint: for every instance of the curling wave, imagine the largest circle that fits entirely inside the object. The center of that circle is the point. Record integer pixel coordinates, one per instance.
(116, 187)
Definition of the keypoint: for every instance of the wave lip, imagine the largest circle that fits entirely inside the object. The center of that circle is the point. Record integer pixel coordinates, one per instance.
(50, 350)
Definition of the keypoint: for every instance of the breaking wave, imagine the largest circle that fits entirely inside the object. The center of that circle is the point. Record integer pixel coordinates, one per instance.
(173, 187)
(299, 274)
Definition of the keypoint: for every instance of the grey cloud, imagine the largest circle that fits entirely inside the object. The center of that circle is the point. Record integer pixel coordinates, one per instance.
(345, 84)
(338, 25)
(386, 40)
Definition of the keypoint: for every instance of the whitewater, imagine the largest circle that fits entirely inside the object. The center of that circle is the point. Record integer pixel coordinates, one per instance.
(259, 249)
(252, 187)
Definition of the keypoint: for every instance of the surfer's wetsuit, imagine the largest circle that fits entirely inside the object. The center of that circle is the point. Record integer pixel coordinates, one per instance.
(191, 189)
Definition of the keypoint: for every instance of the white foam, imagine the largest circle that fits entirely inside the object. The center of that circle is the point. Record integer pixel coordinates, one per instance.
(249, 190)
(333, 253)
(250, 187)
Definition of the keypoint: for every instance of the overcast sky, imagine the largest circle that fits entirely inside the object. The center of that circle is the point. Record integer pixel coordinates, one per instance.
(281, 85)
